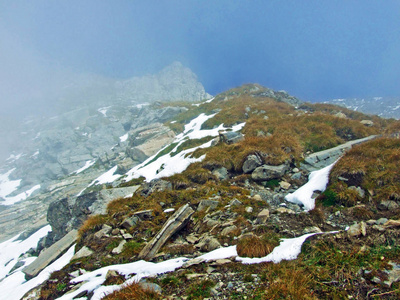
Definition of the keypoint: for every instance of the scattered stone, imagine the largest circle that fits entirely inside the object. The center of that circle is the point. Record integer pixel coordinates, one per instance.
(115, 231)
(204, 204)
(267, 172)
(103, 232)
(228, 230)
(74, 274)
(111, 273)
(235, 202)
(209, 270)
(220, 262)
(156, 185)
(284, 210)
(177, 221)
(341, 115)
(118, 249)
(144, 214)
(295, 170)
(357, 229)
(360, 191)
(381, 221)
(296, 176)
(192, 239)
(371, 222)
(195, 275)
(380, 228)
(285, 185)
(257, 197)
(263, 216)
(221, 173)
(208, 243)
(251, 163)
(249, 209)
(392, 223)
(368, 123)
(230, 137)
(83, 252)
(193, 262)
(388, 205)
(127, 236)
(312, 229)
(393, 274)
(150, 286)
(129, 222)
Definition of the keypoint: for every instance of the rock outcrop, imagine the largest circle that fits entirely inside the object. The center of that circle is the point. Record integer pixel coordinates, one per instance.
(49, 255)
(177, 221)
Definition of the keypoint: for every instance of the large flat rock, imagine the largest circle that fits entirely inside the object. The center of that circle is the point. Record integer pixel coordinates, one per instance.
(50, 254)
(321, 159)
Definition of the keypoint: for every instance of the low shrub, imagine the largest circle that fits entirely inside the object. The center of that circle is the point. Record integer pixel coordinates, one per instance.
(254, 246)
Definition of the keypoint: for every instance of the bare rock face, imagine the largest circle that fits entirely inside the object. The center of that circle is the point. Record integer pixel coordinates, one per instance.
(176, 222)
(267, 172)
(70, 213)
(251, 163)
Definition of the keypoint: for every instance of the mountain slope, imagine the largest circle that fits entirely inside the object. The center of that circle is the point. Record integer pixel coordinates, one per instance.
(250, 148)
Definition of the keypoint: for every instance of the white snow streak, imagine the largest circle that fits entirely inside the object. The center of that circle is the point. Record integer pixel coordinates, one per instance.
(317, 181)
(168, 165)
(123, 138)
(87, 165)
(288, 249)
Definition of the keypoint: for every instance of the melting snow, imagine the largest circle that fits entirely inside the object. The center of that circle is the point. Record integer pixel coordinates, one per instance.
(8, 186)
(288, 249)
(317, 181)
(106, 177)
(123, 138)
(168, 165)
(103, 110)
(15, 286)
(208, 101)
(12, 249)
(87, 165)
(20, 196)
(13, 157)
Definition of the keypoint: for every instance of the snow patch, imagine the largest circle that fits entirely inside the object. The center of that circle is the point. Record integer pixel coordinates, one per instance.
(20, 196)
(13, 157)
(12, 249)
(87, 165)
(317, 181)
(123, 138)
(168, 165)
(103, 110)
(8, 186)
(15, 286)
(208, 101)
(288, 249)
(106, 177)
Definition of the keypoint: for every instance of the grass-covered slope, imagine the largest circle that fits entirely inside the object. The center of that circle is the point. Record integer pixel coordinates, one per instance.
(363, 188)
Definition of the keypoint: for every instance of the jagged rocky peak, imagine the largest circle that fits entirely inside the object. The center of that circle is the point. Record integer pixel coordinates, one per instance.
(174, 82)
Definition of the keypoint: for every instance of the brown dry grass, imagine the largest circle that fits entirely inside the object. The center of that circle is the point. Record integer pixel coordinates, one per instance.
(92, 223)
(254, 246)
(132, 291)
(373, 166)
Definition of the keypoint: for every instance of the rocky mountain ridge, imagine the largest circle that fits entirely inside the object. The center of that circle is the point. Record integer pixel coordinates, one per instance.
(385, 107)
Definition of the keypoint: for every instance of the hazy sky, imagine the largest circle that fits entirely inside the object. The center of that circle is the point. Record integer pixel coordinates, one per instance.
(316, 50)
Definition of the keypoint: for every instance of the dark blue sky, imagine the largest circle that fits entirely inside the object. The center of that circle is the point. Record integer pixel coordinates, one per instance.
(316, 50)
